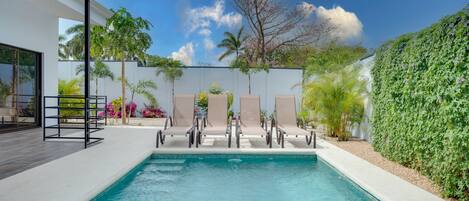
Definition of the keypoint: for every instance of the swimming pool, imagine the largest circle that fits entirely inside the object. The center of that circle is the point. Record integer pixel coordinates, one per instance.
(234, 178)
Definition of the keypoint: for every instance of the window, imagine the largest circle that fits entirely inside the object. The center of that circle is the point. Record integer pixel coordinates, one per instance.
(20, 88)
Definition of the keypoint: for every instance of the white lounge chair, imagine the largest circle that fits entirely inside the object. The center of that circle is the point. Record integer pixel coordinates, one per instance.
(183, 123)
(286, 123)
(249, 123)
(216, 122)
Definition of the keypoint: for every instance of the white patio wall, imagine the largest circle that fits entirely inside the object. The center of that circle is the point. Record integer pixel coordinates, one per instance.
(195, 79)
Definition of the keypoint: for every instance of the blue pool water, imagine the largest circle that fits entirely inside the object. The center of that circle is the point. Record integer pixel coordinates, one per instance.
(234, 178)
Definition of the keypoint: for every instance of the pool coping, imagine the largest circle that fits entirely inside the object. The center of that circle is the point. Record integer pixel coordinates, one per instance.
(85, 174)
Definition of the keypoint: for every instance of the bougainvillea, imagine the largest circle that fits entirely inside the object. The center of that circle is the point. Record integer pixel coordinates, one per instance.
(421, 103)
(153, 112)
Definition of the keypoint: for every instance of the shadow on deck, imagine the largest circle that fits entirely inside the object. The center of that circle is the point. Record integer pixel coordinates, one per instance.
(22, 150)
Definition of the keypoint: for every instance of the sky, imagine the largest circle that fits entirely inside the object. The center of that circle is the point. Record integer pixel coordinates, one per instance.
(189, 30)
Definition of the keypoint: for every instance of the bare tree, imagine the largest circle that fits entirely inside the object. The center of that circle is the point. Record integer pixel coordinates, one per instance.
(273, 26)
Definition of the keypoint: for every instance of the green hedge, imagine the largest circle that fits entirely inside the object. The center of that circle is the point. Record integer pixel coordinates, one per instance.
(421, 103)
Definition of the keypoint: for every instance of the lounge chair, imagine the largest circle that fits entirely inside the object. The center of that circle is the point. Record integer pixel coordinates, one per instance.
(183, 123)
(216, 122)
(249, 123)
(286, 123)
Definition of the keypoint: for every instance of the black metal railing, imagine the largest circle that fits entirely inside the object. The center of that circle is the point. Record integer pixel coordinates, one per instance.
(68, 112)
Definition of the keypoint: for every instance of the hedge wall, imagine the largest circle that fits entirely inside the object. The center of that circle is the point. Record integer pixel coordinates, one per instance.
(420, 102)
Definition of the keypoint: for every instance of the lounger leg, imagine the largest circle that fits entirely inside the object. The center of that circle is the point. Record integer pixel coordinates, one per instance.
(229, 140)
(197, 140)
(283, 139)
(237, 140)
(269, 139)
(314, 140)
(279, 137)
(309, 139)
(158, 138)
(190, 139)
(162, 138)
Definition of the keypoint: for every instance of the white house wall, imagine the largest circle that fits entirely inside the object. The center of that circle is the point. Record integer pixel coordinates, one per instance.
(194, 80)
(24, 25)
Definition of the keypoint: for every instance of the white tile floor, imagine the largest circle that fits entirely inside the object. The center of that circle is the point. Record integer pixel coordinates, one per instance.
(82, 175)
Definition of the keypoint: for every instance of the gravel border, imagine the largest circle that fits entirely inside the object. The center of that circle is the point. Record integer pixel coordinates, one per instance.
(364, 150)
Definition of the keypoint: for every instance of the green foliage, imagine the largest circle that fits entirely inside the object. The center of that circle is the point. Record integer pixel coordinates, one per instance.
(5, 91)
(99, 70)
(141, 88)
(215, 88)
(127, 35)
(337, 99)
(170, 72)
(332, 58)
(157, 61)
(293, 56)
(116, 106)
(420, 101)
(70, 88)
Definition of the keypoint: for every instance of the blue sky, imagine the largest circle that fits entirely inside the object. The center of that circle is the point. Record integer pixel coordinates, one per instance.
(190, 29)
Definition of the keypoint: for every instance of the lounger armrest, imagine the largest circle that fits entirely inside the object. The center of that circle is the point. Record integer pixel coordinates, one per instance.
(272, 123)
(195, 123)
(168, 120)
(204, 123)
(237, 128)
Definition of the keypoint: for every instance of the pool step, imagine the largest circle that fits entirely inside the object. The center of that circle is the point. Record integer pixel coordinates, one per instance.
(168, 168)
(167, 161)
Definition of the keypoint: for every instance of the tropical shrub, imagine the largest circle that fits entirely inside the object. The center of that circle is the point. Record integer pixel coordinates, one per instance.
(70, 88)
(5, 91)
(114, 108)
(215, 88)
(153, 112)
(420, 101)
(337, 100)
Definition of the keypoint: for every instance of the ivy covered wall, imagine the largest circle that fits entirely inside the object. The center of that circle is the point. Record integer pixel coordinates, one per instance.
(420, 99)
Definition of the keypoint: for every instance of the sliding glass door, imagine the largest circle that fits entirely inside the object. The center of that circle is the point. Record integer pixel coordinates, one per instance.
(20, 91)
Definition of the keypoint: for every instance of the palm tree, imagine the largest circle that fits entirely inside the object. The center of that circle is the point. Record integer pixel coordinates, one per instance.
(170, 68)
(171, 73)
(233, 44)
(141, 88)
(75, 45)
(128, 39)
(63, 50)
(99, 71)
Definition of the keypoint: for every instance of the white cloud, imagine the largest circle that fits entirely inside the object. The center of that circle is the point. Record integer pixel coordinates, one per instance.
(203, 17)
(205, 32)
(208, 44)
(306, 8)
(184, 54)
(346, 24)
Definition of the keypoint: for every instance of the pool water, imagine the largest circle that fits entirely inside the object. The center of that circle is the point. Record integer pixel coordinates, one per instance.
(234, 178)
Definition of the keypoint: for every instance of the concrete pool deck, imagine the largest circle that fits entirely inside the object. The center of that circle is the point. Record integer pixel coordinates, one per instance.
(84, 174)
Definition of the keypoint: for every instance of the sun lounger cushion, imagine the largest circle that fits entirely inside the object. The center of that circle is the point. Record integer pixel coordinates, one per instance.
(285, 111)
(177, 130)
(214, 130)
(253, 131)
(250, 115)
(217, 111)
(293, 130)
(183, 112)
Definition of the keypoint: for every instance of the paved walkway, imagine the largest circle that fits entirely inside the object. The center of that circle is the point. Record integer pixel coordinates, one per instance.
(82, 175)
